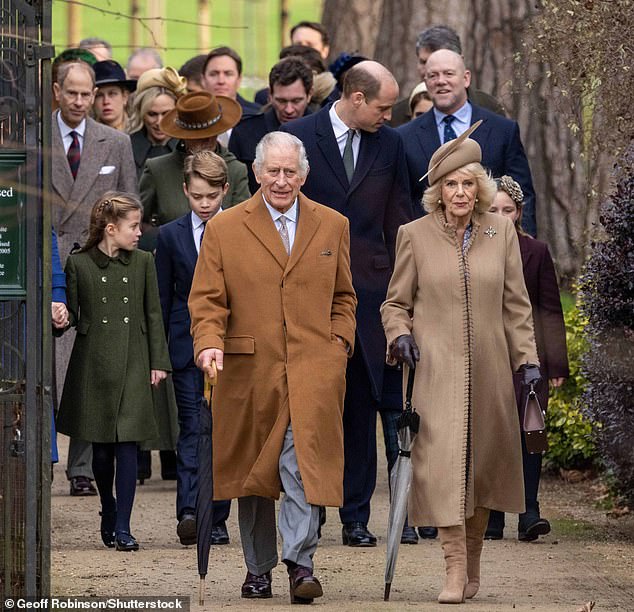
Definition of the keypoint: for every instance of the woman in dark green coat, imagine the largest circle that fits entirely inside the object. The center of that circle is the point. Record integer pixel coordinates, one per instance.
(119, 353)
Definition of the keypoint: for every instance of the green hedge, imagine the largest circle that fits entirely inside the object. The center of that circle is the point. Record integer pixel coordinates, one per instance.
(569, 432)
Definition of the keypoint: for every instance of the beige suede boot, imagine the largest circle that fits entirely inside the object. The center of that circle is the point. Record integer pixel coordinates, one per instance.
(453, 541)
(475, 528)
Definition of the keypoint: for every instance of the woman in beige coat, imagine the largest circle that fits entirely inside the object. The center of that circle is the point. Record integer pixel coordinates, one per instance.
(458, 293)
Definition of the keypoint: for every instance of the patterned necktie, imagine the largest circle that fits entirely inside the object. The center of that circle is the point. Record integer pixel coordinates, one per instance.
(74, 154)
(449, 134)
(283, 230)
(348, 156)
(202, 234)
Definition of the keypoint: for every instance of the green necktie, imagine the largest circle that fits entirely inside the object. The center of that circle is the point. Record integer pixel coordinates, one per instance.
(348, 156)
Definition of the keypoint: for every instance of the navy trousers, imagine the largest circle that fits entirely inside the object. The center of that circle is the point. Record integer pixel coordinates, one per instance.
(359, 435)
(188, 388)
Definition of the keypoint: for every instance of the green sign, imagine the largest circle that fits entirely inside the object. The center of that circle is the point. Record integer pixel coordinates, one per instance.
(12, 225)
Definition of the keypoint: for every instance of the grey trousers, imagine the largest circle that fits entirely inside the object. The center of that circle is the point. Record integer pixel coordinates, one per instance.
(298, 520)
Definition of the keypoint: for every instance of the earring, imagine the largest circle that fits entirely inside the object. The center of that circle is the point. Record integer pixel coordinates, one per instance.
(439, 201)
(476, 200)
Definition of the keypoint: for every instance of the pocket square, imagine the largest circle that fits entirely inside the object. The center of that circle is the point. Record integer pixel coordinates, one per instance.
(107, 169)
(325, 253)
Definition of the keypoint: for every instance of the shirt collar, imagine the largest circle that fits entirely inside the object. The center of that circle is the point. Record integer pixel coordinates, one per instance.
(462, 114)
(290, 214)
(338, 126)
(65, 129)
(197, 221)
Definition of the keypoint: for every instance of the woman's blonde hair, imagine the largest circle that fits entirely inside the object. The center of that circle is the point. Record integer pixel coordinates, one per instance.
(513, 190)
(208, 166)
(110, 208)
(484, 196)
(143, 100)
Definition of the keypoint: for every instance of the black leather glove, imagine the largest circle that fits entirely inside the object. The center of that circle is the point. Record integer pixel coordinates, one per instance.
(404, 350)
(530, 374)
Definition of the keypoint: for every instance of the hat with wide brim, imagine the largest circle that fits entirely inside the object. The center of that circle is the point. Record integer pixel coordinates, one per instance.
(200, 115)
(109, 72)
(454, 155)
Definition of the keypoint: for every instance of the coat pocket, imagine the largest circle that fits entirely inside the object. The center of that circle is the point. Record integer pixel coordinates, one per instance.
(240, 345)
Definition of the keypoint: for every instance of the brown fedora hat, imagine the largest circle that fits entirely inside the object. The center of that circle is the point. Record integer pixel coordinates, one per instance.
(200, 115)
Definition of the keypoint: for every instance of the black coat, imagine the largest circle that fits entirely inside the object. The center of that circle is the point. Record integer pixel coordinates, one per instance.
(377, 203)
(143, 149)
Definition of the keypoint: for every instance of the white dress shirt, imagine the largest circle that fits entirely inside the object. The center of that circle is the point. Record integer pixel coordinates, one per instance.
(65, 131)
(341, 133)
(198, 227)
(291, 220)
(460, 124)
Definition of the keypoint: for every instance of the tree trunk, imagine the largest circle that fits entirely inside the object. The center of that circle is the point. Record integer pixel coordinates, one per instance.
(353, 25)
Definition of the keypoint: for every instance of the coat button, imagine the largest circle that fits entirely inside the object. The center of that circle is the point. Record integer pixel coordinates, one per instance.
(103, 279)
(104, 299)
(104, 320)
(126, 319)
(125, 279)
(125, 300)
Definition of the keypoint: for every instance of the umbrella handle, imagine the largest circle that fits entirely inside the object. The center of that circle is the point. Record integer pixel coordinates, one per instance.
(410, 388)
(210, 381)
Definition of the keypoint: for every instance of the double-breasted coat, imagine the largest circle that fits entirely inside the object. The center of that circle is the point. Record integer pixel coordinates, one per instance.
(114, 304)
(275, 317)
(471, 318)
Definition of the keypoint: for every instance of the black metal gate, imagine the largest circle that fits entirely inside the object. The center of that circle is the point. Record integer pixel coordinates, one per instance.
(25, 317)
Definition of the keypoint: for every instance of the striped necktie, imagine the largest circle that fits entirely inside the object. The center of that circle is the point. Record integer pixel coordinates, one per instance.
(74, 154)
(449, 134)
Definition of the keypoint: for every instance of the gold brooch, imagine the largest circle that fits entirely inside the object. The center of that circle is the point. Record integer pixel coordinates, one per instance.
(490, 232)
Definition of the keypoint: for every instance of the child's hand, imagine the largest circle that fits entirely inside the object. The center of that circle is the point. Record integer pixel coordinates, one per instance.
(156, 376)
(59, 315)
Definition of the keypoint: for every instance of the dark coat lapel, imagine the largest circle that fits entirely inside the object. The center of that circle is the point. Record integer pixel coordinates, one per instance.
(428, 138)
(368, 150)
(260, 223)
(483, 134)
(307, 224)
(328, 146)
(186, 238)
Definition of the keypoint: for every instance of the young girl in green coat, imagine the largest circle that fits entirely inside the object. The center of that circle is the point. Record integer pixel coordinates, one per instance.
(119, 352)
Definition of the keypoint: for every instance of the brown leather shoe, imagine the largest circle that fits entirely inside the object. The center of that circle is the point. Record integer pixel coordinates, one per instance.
(303, 585)
(81, 486)
(257, 587)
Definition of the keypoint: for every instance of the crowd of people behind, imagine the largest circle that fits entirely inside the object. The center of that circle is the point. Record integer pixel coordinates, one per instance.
(292, 242)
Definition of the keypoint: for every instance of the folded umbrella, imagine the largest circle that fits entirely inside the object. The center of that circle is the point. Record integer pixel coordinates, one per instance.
(400, 482)
(204, 494)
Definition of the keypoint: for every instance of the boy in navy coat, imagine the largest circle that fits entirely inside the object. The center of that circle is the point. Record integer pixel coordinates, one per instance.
(176, 255)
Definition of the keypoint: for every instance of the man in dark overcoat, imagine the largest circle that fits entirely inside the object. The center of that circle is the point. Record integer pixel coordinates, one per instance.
(359, 169)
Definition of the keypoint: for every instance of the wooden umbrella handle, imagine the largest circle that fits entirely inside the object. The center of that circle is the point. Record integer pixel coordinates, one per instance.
(210, 381)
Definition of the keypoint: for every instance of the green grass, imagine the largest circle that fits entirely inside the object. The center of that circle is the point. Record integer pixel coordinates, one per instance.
(251, 27)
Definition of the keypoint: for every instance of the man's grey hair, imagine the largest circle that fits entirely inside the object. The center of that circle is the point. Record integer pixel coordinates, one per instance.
(439, 37)
(281, 140)
(94, 41)
(146, 51)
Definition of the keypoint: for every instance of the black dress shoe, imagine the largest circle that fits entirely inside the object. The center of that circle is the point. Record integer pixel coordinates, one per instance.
(428, 533)
(304, 587)
(186, 529)
(409, 535)
(529, 529)
(108, 521)
(219, 534)
(125, 542)
(81, 486)
(357, 535)
(257, 587)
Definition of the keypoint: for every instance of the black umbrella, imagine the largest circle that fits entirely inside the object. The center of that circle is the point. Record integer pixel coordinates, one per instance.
(204, 494)
(400, 481)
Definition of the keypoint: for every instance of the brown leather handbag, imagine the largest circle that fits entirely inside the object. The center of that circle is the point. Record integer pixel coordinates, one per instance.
(534, 425)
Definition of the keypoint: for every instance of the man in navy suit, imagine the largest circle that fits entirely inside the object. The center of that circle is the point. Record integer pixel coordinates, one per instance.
(358, 168)
(502, 151)
(176, 255)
